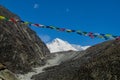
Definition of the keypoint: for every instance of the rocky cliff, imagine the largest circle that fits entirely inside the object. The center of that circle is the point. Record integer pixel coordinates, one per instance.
(99, 62)
(20, 47)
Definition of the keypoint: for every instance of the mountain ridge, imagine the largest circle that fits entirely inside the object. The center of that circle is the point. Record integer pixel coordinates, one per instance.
(99, 62)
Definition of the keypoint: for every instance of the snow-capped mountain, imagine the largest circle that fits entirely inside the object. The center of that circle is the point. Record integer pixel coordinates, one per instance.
(58, 45)
(79, 48)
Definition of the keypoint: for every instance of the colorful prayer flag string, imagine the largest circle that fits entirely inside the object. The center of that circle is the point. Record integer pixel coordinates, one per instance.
(89, 34)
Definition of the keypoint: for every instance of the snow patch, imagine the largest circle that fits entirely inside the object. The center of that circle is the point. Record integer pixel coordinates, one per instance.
(30, 74)
(51, 62)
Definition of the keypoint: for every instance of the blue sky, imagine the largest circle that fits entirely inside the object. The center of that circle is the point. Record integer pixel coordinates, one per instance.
(101, 16)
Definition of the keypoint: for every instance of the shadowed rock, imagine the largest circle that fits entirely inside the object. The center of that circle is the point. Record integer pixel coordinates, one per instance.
(2, 67)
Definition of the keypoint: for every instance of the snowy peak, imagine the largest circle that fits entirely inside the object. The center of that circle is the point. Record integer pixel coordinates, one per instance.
(59, 41)
(58, 45)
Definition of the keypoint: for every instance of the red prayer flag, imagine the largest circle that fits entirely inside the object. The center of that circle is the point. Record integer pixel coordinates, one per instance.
(13, 20)
(36, 24)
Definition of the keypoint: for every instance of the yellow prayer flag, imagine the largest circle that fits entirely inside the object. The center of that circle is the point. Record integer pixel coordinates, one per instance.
(2, 17)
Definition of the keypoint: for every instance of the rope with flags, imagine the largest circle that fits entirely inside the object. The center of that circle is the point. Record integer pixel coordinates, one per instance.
(84, 33)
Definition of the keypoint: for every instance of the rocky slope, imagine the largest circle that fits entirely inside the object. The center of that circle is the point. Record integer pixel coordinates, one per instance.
(99, 62)
(20, 47)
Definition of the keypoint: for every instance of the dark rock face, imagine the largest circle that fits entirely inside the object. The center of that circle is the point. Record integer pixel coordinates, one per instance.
(20, 47)
(100, 62)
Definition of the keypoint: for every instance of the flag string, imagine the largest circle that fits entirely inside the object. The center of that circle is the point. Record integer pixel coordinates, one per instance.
(84, 33)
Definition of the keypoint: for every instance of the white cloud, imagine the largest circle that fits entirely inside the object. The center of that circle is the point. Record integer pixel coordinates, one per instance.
(67, 10)
(45, 38)
(36, 5)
